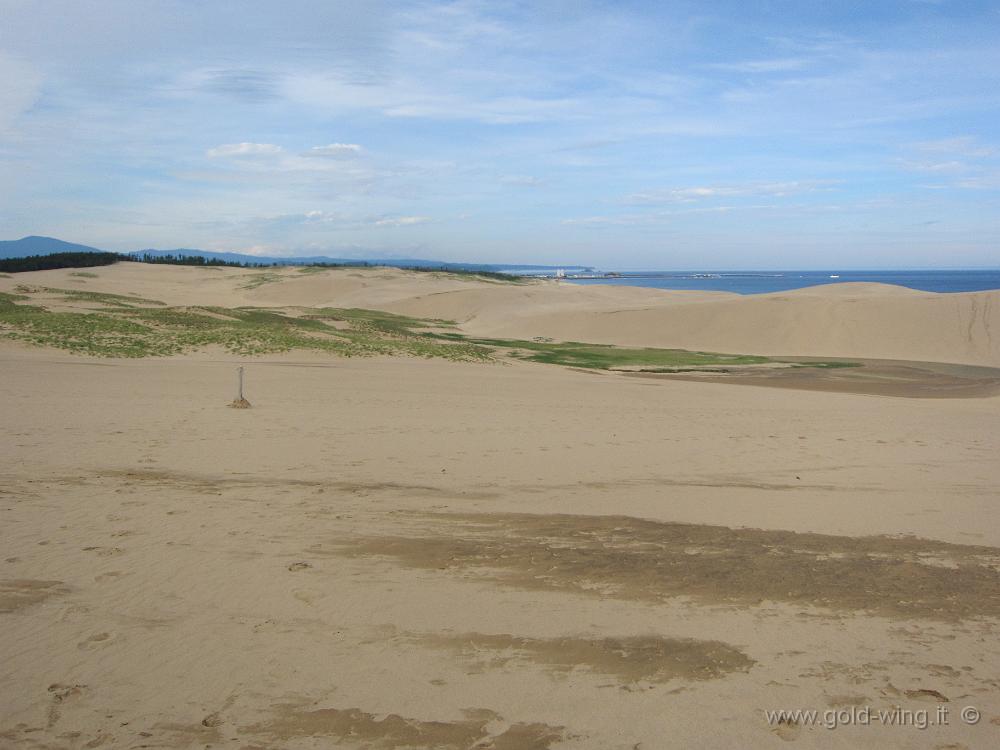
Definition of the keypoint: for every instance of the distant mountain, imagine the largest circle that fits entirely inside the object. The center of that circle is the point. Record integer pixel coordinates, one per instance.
(311, 259)
(35, 245)
(47, 245)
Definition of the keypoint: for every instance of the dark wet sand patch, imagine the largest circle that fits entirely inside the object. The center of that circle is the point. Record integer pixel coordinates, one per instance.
(630, 659)
(210, 484)
(19, 593)
(394, 731)
(871, 377)
(632, 558)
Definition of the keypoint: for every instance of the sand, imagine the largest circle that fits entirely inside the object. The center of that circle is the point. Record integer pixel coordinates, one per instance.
(871, 321)
(396, 553)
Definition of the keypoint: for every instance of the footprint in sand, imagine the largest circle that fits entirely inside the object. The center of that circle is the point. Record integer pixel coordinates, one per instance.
(19, 593)
(927, 695)
(95, 641)
(61, 694)
(787, 729)
(109, 576)
(299, 566)
(307, 597)
(105, 551)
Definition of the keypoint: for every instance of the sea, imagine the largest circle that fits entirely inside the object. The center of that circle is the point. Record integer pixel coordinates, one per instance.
(761, 282)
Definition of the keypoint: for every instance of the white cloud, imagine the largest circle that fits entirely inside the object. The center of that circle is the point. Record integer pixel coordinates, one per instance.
(401, 221)
(227, 150)
(336, 151)
(660, 217)
(984, 181)
(940, 167)
(522, 180)
(339, 220)
(964, 145)
(20, 87)
(691, 194)
(765, 66)
(968, 162)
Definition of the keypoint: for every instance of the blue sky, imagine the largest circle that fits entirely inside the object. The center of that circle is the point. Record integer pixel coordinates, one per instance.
(675, 135)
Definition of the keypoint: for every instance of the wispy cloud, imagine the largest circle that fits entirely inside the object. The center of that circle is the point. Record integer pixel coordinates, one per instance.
(336, 151)
(964, 162)
(401, 221)
(777, 65)
(230, 150)
(242, 84)
(706, 192)
(522, 180)
(660, 218)
(337, 220)
(20, 88)
(964, 145)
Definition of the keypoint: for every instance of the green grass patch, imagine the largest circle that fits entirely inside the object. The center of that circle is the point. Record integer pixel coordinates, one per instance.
(8, 299)
(606, 357)
(136, 327)
(385, 323)
(259, 279)
(126, 331)
(85, 275)
(834, 365)
(80, 295)
(95, 333)
(489, 277)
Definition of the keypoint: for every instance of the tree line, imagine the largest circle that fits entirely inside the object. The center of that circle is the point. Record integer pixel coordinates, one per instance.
(58, 260)
(88, 259)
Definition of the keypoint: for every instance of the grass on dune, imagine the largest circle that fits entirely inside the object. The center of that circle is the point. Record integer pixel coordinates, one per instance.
(833, 365)
(80, 295)
(605, 357)
(136, 327)
(259, 279)
(383, 322)
(123, 330)
(91, 333)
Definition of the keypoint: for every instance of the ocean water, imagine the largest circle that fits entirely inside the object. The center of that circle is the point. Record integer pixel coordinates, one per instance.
(750, 282)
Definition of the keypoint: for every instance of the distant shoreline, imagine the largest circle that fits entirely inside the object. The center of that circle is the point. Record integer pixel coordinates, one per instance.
(763, 282)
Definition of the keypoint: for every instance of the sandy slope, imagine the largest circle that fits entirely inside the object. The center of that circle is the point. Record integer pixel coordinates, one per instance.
(873, 321)
(396, 553)
(179, 574)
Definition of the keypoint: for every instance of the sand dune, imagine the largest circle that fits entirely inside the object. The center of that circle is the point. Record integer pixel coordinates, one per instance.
(952, 328)
(396, 553)
(873, 321)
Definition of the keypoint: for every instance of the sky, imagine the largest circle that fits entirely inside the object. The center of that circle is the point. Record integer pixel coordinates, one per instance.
(759, 134)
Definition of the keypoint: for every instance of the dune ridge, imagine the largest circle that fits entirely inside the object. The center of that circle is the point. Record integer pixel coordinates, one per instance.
(866, 320)
(401, 551)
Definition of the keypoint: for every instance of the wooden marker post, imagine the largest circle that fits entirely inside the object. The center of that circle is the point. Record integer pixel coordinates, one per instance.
(240, 402)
